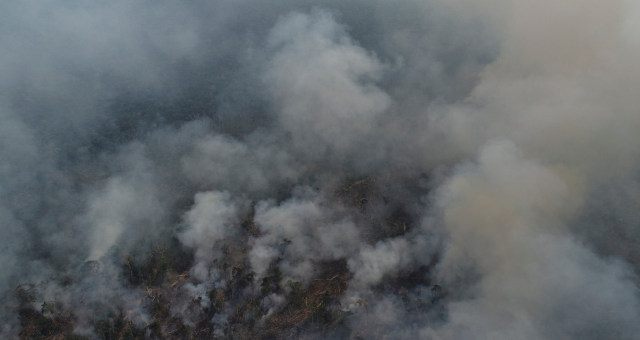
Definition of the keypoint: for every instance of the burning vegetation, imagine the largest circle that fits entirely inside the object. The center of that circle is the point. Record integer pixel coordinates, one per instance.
(366, 169)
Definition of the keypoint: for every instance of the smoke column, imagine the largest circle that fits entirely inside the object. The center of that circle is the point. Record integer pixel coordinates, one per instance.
(416, 169)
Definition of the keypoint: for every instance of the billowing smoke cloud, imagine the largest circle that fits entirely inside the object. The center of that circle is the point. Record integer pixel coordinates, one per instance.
(301, 169)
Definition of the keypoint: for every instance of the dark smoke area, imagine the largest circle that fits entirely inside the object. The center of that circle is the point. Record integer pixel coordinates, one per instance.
(412, 169)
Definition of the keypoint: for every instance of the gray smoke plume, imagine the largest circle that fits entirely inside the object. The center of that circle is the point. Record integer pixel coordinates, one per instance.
(320, 169)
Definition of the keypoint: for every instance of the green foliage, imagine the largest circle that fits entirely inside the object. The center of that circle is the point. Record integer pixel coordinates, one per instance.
(151, 272)
(295, 286)
(76, 337)
(271, 282)
(37, 326)
(249, 225)
(48, 307)
(159, 307)
(244, 318)
(154, 269)
(311, 306)
(218, 299)
(177, 258)
(25, 294)
(242, 276)
(106, 330)
(64, 280)
(183, 331)
(120, 329)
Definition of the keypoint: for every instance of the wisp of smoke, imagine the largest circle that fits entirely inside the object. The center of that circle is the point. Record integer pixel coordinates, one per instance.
(416, 169)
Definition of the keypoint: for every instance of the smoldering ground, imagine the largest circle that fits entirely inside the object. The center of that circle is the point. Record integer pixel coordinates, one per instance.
(320, 169)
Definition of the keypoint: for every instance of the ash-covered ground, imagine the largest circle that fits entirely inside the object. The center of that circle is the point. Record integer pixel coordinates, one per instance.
(365, 169)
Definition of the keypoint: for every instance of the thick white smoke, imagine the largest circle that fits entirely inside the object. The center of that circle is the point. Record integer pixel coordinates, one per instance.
(301, 169)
